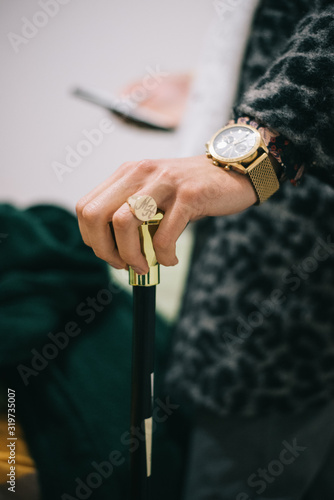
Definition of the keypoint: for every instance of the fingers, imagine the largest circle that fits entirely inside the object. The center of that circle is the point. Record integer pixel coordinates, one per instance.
(171, 227)
(96, 224)
(85, 200)
(97, 208)
(126, 226)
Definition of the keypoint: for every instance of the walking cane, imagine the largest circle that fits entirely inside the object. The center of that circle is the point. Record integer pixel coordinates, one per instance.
(144, 287)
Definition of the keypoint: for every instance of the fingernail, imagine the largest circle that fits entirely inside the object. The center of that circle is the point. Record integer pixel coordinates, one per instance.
(139, 271)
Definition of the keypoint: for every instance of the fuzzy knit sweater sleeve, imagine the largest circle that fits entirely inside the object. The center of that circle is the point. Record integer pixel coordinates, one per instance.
(295, 95)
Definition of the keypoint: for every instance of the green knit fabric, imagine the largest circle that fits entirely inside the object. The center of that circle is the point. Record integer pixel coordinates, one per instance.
(73, 401)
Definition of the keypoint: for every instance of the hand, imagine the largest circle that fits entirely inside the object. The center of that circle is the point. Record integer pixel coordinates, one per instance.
(185, 189)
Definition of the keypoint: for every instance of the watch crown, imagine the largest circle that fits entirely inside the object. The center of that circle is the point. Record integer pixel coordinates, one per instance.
(215, 162)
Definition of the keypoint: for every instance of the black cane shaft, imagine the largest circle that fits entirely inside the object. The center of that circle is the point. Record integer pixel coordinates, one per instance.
(142, 381)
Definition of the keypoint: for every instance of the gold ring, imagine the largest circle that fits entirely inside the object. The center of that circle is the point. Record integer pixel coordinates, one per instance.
(143, 206)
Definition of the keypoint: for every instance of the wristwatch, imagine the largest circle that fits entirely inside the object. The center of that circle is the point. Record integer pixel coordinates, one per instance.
(241, 148)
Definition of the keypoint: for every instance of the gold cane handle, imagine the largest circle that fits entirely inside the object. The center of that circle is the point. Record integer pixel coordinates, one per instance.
(146, 233)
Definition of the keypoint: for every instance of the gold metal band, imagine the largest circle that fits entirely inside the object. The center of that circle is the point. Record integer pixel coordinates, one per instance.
(263, 177)
(146, 232)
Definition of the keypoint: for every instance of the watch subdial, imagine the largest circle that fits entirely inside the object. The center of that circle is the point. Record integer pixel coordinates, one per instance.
(241, 149)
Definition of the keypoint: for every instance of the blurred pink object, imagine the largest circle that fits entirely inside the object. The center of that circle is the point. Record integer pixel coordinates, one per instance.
(163, 105)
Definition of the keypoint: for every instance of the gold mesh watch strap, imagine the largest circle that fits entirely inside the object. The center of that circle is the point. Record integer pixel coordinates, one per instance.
(263, 177)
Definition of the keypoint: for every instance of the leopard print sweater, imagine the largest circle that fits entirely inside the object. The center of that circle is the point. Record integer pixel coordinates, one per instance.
(255, 333)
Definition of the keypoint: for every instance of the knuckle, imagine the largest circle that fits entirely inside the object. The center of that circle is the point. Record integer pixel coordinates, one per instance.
(168, 175)
(86, 241)
(165, 249)
(211, 191)
(188, 194)
(131, 256)
(129, 259)
(121, 219)
(192, 199)
(101, 255)
(80, 206)
(128, 165)
(90, 213)
(161, 242)
(145, 167)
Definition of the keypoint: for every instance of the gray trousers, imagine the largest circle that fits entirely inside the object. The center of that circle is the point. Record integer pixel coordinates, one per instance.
(281, 457)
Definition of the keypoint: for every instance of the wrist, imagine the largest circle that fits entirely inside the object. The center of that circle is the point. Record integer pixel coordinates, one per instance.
(270, 138)
(283, 154)
(240, 147)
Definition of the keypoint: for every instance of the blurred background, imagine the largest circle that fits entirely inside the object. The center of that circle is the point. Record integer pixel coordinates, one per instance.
(101, 43)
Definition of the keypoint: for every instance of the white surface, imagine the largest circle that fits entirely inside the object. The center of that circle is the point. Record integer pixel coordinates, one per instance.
(100, 43)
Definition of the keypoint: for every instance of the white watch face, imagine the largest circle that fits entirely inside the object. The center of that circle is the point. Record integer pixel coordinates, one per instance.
(234, 142)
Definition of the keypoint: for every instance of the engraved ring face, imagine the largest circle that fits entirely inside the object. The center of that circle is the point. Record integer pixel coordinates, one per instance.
(143, 207)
